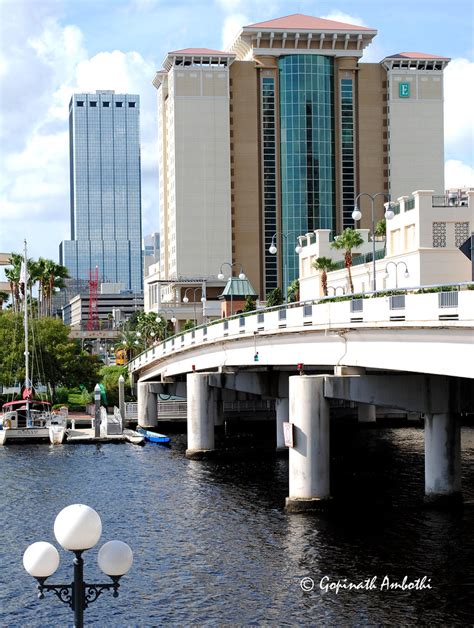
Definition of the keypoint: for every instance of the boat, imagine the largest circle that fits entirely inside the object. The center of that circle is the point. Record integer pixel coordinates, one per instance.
(153, 437)
(30, 419)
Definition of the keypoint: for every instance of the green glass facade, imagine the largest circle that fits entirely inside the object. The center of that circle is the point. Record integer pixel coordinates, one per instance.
(307, 151)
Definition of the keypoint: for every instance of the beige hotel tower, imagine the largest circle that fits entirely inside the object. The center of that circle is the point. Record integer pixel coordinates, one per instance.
(276, 136)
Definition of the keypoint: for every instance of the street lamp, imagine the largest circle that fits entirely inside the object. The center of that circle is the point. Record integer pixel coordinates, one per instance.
(406, 274)
(357, 215)
(272, 249)
(242, 276)
(203, 300)
(77, 528)
(172, 319)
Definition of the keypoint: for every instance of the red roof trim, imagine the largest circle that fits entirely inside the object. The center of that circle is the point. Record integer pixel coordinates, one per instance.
(307, 22)
(416, 55)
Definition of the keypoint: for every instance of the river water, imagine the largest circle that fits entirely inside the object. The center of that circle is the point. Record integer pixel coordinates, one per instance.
(212, 544)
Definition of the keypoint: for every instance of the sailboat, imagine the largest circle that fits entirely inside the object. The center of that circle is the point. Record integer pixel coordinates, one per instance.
(30, 419)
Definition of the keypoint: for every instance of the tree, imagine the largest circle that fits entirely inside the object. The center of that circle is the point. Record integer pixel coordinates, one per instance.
(55, 358)
(109, 377)
(325, 265)
(249, 305)
(381, 228)
(293, 291)
(348, 240)
(188, 325)
(151, 326)
(274, 298)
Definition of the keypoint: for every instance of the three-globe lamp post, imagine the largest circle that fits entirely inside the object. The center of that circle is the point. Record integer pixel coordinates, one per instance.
(77, 528)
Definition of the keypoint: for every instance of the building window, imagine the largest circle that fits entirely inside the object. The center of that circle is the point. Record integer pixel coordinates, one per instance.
(80, 103)
(131, 104)
(461, 233)
(307, 150)
(106, 104)
(439, 234)
(347, 152)
(93, 103)
(118, 104)
(269, 202)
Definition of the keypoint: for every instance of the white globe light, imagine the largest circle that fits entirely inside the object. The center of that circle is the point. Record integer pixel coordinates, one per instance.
(298, 249)
(220, 276)
(115, 558)
(203, 299)
(138, 334)
(272, 249)
(242, 276)
(406, 275)
(186, 299)
(389, 214)
(77, 527)
(356, 214)
(173, 320)
(124, 342)
(41, 559)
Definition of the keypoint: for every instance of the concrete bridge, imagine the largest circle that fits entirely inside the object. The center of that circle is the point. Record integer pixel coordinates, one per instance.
(408, 351)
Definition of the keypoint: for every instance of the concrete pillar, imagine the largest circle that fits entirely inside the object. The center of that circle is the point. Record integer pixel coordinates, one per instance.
(309, 456)
(367, 413)
(442, 459)
(202, 414)
(121, 386)
(282, 407)
(216, 405)
(147, 406)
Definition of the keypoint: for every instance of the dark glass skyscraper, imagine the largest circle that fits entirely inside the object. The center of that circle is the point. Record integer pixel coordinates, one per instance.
(105, 189)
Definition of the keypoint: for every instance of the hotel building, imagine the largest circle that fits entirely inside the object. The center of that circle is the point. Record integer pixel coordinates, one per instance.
(275, 137)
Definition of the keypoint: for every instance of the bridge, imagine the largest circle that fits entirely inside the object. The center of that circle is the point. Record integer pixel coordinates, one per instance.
(410, 350)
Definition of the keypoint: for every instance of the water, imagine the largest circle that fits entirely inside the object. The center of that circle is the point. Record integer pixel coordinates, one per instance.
(212, 544)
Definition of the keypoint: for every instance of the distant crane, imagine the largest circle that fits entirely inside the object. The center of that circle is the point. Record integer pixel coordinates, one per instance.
(93, 320)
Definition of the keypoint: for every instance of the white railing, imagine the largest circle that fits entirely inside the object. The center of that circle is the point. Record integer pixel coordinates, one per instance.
(420, 309)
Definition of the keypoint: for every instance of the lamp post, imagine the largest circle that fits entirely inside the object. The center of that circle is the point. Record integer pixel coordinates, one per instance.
(242, 276)
(77, 528)
(406, 274)
(357, 215)
(203, 301)
(172, 319)
(273, 250)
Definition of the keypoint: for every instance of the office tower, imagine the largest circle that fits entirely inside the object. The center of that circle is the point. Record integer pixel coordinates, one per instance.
(277, 136)
(105, 195)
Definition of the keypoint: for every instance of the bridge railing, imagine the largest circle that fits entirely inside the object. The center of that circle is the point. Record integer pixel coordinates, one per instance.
(420, 305)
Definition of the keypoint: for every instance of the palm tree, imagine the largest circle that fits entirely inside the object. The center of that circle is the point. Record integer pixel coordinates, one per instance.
(348, 240)
(55, 273)
(293, 291)
(12, 275)
(325, 265)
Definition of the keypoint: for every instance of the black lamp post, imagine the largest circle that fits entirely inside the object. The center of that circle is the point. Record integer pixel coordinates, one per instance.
(77, 528)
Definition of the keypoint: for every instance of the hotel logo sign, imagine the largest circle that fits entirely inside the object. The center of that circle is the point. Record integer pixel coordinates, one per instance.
(404, 90)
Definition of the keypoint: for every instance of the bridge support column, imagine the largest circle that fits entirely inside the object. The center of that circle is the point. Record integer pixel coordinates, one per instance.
(367, 413)
(202, 412)
(442, 460)
(282, 407)
(309, 456)
(147, 405)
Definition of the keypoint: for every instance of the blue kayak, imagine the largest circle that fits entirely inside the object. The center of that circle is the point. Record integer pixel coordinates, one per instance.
(153, 437)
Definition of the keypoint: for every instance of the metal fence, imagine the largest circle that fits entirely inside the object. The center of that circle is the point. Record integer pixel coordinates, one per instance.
(448, 299)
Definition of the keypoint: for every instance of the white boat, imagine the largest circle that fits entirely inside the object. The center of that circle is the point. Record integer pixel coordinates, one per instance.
(30, 419)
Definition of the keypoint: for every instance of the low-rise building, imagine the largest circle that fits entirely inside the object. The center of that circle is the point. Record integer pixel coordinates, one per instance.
(421, 248)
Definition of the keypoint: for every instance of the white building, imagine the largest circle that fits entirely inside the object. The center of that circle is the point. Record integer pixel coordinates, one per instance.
(422, 248)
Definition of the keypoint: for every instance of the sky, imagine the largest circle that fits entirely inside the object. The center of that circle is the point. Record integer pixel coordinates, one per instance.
(50, 49)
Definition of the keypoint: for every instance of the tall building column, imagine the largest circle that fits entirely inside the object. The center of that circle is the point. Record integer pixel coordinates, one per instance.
(367, 413)
(442, 459)
(309, 456)
(147, 406)
(282, 407)
(202, 413)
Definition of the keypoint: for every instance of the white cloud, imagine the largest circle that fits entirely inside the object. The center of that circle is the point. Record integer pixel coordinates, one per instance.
(458, 175)
(339, 16)
(231, 27)
(229, 5)
(458, 118)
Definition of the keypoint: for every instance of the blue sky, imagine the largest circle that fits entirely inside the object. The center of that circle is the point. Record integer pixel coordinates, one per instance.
(50, 49)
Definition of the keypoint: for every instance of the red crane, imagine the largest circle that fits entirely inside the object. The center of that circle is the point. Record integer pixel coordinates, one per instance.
(93, 320)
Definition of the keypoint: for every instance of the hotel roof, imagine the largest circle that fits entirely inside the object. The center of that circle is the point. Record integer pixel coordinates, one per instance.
(200, 51)
(416, 55)
(307, 22)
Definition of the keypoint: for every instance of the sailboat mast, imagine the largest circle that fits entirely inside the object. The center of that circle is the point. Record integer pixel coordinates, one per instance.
(24, 278)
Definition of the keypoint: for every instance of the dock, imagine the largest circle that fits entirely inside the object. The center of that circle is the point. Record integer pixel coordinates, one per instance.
(87, 436)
